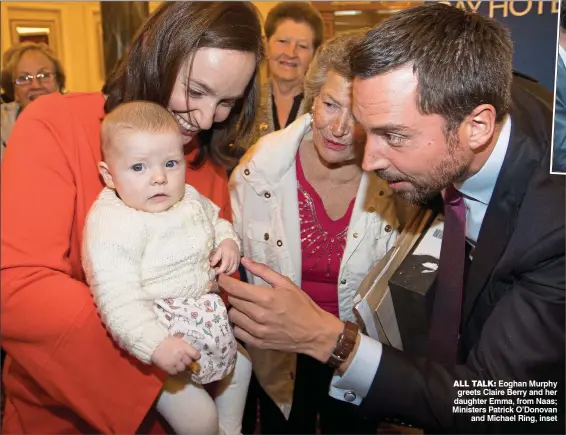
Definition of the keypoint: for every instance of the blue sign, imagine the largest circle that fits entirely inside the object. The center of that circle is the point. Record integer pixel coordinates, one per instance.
(534, 30)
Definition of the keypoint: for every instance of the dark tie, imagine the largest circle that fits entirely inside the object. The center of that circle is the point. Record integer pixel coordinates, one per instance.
(445, 321)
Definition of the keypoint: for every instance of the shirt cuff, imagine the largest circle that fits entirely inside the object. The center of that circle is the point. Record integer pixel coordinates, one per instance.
(353, 386)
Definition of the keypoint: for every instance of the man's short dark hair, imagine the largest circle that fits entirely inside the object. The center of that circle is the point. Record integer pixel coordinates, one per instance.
(461, 59)
(563, 15)
(300, 12)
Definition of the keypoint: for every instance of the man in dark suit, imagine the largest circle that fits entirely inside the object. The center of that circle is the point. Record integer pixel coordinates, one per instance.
(435, 93)
(559, 144)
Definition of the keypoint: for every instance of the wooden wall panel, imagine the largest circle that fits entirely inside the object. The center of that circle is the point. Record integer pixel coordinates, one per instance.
(72, 35)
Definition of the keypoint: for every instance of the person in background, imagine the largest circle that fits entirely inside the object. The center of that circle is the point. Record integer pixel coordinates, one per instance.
(435, 93)
(293, 32)
(6, 82)
(559, 139)
(303, 206)
(562, 33)
(63, 372)
(34, 70)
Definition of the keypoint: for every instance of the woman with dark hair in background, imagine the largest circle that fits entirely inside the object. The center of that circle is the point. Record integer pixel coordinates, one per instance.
(63, 372)
(293, 32)
(6, 82)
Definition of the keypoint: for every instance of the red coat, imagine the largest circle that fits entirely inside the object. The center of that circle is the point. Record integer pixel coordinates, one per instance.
(63, 373)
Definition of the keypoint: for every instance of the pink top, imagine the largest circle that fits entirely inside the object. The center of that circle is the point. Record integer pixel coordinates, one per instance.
(322, 245)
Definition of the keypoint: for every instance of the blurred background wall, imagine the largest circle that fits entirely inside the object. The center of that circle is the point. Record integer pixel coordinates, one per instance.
(74, 30)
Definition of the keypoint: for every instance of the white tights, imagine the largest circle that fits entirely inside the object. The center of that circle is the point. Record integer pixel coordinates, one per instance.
(213, 409)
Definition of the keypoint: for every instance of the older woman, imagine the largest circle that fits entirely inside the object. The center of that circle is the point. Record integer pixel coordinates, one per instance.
(35, 71)
(293, 32)
(303, 206)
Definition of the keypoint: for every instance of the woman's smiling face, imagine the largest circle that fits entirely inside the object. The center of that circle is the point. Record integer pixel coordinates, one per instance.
(214, 79)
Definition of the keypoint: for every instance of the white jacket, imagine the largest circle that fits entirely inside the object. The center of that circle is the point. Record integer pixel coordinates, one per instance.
(265, 205)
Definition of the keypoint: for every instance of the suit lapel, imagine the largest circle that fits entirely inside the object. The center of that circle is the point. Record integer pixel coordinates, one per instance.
(499, 221)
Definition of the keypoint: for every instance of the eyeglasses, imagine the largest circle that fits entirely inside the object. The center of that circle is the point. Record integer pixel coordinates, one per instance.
(44, 77)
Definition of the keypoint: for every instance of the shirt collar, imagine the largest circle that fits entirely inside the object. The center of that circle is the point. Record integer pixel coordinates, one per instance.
(480, 186)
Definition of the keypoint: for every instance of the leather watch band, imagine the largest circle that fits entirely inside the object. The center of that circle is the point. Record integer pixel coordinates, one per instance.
(344, 345)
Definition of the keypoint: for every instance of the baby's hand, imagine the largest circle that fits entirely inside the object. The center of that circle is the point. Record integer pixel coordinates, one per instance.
(174, 354)
(228, 255)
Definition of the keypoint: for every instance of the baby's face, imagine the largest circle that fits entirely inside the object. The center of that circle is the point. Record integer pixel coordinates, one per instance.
(148, 169)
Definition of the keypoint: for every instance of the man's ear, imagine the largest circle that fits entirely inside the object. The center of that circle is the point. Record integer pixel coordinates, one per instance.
(481, 126)
(106, 175)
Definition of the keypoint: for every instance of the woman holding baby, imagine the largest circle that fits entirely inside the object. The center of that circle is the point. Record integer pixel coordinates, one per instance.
(63, 372)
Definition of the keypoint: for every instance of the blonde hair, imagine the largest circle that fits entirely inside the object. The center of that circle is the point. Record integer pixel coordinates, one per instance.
(44, 49)
(133, 116)
(333, 55)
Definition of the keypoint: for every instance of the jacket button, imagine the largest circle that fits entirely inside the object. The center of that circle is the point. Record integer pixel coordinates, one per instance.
(267, 195)
(266, 236)
(246, 172)
(279, 243)
(343, 281)
(356, 235)
(387, 228)
(349, 396)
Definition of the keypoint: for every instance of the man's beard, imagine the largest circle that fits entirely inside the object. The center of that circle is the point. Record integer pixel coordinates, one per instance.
(449, 169)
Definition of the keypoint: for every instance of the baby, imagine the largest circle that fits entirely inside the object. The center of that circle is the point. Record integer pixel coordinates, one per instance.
(152, 249)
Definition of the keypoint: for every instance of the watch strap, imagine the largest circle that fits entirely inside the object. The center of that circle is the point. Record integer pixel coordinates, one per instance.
(344, 345)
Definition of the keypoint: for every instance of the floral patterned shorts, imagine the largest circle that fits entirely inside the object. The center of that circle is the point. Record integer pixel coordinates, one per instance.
(204, 324)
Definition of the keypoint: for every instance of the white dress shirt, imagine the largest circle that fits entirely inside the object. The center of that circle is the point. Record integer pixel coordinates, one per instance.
(477, 189)
(562, 53)
(353, 386)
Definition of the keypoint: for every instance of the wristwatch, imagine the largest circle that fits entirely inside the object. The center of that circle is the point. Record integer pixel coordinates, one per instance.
(344, 345)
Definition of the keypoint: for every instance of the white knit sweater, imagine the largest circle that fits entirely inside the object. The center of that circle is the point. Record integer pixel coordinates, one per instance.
(132, 258)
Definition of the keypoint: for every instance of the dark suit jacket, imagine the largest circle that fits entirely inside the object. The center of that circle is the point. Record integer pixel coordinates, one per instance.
(512, 323)
(559, 156)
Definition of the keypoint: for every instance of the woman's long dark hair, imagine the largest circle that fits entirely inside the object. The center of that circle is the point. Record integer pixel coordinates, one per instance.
(169, 37)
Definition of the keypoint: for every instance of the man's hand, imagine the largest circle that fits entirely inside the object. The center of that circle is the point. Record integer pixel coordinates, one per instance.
(228, 255)
(282, 317)
(174, 355)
